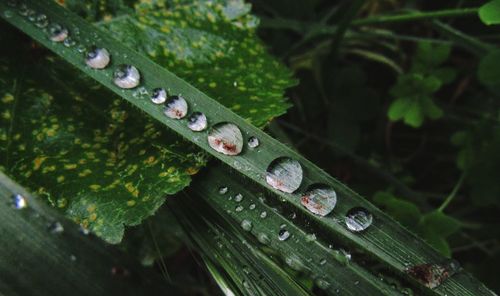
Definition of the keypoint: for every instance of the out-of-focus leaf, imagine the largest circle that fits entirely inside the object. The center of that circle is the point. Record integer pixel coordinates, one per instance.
(489, 69)
(489, 13)
(435, 227)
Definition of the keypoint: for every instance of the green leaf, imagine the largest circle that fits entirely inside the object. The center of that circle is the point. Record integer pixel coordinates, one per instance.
(429, 84)
(430, 55)
(403, 211)
(435, 227)
(489, 68)
(430, 108)
(213, 46)
(414, 116)
(399, 108)
(116, 170)
(445, 74)
(489, 13)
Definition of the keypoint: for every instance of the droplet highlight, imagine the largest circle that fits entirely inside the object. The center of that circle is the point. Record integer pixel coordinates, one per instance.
(253, 142)
(319, 199)
(284, 174)
(226, 138)
(97, 58)
(176, 107)
(57, 33)
(126, 76)
(19, 202)
(223, 190)
(197, 122)
(358, 219)
(283, 234)
(246, 225)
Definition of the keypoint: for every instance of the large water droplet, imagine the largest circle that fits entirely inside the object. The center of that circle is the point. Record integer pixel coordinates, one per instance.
(97, 58)
(57, 33)
(246, 225)
(253, 142)
(197, 122)
(226, 138)
(126, 76)
(319, 199)
(19, 202)
(283, 234)
(284, 174)
(238, 197)
(176, 107)
(41, 21)
(159, 95)
(56, 228)
(358, 219)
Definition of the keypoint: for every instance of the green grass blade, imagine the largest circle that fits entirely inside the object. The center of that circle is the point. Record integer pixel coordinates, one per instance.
(35, 261)
(385, 240)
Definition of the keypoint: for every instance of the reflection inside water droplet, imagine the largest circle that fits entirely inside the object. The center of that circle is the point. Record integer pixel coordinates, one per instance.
(284, 174)
(239, 208)
(319, 199)
(223, 190)
(126, 76)
(246, 225)
(358, 219)
(253, 142)
(197, 122)
(41, 21)
(56, 228)
(238, 197)
(97, 58)
(159, 95)
(176, 107)
(19, 202)
(263, 214)
(69, 42)
(226, 138)
(57, 33)
(283, 234)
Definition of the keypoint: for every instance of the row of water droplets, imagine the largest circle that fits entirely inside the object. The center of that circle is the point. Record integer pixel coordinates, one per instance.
(284, 174)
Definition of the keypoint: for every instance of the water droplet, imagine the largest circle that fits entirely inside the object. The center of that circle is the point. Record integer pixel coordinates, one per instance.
(41, 21)
(284, 174)
(126, 76)
(239, 208)
(31, 15)
(346, 254)
(319, 199)
(72, 258)
(358, 219)
(57, 33)
(24, 10)
(310, 237)
(253, 142)
(56, 228)
(251, 207)
(246, 225)
(8, 13)
(97, 58)
(322, 261)
(176, 107)
(263, 214)
(159, 95)
(80, 48)
(197, 122)
(83, 230)
(69, 42)
(322, 284)
(263, 238)
(223, 190)
(283, 234)
(238, 197)
(19, 202)
(294, 262)
(226, 138)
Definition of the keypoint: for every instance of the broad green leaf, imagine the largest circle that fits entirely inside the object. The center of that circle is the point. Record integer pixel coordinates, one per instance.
(489, 13)
(403, 211)
(414, 116)
(430, 108)
(103, 162)
(212, 45)
(435, 227)
(489, 69)
(399, 108)
(430, 55)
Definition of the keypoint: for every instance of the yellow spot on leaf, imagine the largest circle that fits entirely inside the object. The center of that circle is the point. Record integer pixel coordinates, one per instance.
(130, 203)
(38, 162)
(95, 187)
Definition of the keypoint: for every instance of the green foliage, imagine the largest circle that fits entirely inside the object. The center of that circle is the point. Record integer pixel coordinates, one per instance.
(414, 91)
(213, 46)
(489, 13)
(489, 69)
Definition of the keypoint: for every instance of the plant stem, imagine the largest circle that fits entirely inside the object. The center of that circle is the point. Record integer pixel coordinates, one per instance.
(453, 192)
(344, 24)
(415, 16)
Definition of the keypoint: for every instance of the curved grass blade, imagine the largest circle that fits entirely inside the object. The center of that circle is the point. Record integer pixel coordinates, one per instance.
(385, 240)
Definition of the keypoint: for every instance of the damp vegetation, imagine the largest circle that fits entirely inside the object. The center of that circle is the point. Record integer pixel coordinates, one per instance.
(141, 150)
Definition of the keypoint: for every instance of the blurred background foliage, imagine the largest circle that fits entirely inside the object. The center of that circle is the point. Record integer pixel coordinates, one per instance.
(406, 113)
